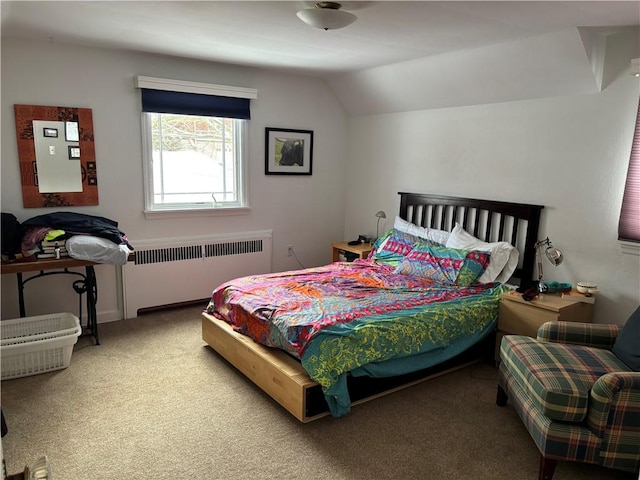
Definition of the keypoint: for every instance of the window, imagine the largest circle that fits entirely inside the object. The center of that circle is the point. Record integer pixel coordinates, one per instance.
(629, 226)
(194, 161)
(194, 145)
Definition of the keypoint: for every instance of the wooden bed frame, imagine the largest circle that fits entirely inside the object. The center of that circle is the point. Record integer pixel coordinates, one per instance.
(283, 378)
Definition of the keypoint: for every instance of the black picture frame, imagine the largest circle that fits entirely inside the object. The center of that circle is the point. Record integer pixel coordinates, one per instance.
(71, 131)
(74, 152)
(288, 151)
(49, 132)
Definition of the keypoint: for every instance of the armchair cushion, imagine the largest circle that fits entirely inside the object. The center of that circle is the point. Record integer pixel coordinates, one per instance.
(558, 378)
(578, 333)
(627, 346)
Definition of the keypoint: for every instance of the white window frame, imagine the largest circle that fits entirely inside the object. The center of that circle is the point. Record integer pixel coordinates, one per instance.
(242, 206)
(240, 164)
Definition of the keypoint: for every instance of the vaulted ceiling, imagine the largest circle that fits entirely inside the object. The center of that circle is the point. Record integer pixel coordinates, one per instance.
(397, 56)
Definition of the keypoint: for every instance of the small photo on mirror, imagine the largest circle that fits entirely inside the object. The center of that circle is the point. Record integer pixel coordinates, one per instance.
(74, 153)
(50, 132)
(71, 132)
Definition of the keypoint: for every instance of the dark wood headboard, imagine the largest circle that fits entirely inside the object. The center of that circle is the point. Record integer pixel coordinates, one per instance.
(488, 220)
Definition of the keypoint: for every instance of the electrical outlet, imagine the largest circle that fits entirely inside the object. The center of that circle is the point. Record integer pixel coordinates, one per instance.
(289, 250)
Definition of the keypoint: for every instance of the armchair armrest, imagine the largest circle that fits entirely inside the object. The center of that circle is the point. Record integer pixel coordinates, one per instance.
(618, 391)
(578, 333)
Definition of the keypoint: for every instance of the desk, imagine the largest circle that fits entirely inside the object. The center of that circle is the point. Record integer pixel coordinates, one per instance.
(52, 266)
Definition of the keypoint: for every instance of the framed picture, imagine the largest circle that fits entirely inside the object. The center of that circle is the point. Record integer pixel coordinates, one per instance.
(71, 133)
(74, 152)
(50, 132)
(288, 152)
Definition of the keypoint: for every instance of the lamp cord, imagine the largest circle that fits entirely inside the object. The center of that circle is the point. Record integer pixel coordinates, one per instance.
(297, 259)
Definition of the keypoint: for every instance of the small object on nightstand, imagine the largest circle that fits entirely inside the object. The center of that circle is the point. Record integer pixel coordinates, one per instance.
(576, 296)
(362, 239)
(588, 288)
(553, 287)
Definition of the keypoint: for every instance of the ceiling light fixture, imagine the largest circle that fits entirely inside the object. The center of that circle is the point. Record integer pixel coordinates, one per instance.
(326, 15)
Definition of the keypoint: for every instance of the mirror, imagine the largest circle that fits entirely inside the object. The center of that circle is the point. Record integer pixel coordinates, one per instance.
(57, 163)
(56, 155)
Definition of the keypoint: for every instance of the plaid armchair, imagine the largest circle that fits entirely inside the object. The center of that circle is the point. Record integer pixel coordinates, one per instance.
(577, 399)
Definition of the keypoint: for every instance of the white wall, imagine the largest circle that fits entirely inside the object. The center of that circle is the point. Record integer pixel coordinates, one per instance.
(306, 211)
(569, 154)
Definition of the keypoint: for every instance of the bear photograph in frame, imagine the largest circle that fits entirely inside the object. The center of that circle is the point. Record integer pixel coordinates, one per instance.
(288, 151)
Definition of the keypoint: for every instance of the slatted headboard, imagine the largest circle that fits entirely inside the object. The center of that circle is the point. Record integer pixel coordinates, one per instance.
(488, 220)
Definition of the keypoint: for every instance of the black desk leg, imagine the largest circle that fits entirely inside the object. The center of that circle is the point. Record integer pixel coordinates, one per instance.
(88, 284)
(21, 295)
(92, 299)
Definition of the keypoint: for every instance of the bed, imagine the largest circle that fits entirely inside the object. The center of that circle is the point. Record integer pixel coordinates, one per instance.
(319, 340)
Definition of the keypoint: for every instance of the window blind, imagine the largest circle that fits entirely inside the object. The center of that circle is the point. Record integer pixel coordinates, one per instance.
(162, 101)
(629, 225)
(162, 95)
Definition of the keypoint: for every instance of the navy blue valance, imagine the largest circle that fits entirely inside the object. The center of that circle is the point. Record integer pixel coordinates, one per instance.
(162, 101)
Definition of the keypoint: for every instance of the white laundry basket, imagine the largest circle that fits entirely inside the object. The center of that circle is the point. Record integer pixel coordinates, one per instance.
(40, 344)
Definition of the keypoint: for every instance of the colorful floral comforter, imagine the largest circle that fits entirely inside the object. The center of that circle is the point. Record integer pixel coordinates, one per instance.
(357, 317)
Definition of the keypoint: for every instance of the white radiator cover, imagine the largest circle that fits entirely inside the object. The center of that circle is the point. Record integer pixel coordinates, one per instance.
(184, 269)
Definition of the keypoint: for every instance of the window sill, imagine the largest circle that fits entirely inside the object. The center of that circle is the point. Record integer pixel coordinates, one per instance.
(630, 248)
(195, 213)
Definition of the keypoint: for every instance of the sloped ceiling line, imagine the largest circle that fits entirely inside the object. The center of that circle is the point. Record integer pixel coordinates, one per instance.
(560, 63)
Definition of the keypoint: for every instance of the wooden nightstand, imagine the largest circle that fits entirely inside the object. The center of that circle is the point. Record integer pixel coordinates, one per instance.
(361, 250)
(519, 317)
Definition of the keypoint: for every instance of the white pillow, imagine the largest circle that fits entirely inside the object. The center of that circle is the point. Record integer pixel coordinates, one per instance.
(511, 265)
(97, 249)
(433, 234)
(504, 256)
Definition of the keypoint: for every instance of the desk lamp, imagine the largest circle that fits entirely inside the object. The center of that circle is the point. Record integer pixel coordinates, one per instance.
(554, 255)
(380, 214)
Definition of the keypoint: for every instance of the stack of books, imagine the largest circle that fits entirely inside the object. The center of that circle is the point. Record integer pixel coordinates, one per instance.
(344, 256)
(52, 249)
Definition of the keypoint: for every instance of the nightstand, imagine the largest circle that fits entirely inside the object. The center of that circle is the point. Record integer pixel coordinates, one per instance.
(359, 251)
(520, 317)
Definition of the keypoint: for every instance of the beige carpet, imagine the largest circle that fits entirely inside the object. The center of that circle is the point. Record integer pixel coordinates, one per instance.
(154, 402)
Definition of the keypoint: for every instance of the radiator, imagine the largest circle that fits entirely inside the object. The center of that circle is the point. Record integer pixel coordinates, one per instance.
(186, 269)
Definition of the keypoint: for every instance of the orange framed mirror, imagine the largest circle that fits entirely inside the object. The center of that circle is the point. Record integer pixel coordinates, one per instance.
(56, 153)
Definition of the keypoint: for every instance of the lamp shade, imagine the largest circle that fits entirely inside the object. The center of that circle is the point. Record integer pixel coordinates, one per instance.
(379, 214)
(554, 255)
(326, 15)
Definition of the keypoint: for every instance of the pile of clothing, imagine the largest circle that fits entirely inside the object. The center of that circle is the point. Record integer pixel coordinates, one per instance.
(75, 235)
